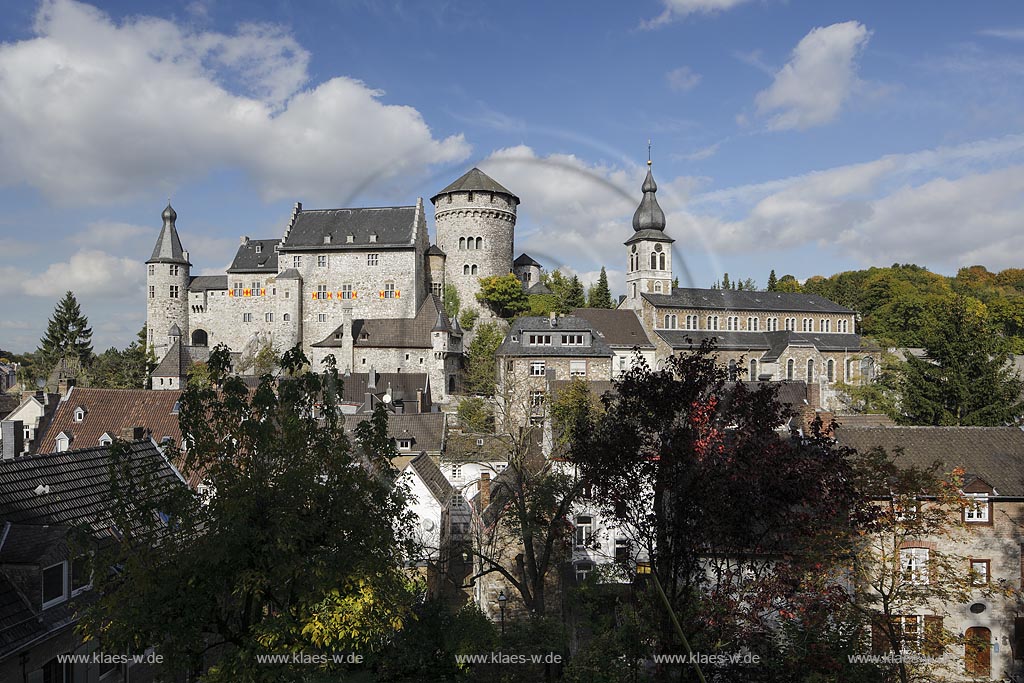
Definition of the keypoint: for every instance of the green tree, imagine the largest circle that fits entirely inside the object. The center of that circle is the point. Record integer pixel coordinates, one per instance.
(300, 547)
(574, 295)
(600, 295)
(451, 301)
(773, 282)
(788, 283)
(725, 282)
(67, 333)
(481, 365)
(504, 295)
(966, 376)
(543, 304)
(475, 415)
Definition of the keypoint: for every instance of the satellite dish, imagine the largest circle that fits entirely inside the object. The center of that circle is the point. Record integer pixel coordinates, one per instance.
(428, 525)
(386, 398)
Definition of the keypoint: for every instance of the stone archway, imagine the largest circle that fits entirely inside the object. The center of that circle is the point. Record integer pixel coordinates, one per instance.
(200, 338)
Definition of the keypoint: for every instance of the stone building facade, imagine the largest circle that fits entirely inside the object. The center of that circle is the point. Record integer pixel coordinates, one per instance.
(362, 284)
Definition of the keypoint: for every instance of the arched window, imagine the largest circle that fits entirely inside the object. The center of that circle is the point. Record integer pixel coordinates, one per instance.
(732, 370)
(790, 368)
(675, 321)
(830, 370)
(479, 242)
(753, 369)
(810, 370)
(654, 261)
(867, 368)
(657, 286)
(462, 243)
(465, 269)
(848, 370)
(661, 261)
(199, 338)
(472, 270)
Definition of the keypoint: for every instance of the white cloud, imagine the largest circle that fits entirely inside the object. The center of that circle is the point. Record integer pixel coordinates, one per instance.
(89, 272)
(820, 76)
(96, 111)
(107, 233)
(682, 79)
(703, 153)
(680, 9)
(1005, 33)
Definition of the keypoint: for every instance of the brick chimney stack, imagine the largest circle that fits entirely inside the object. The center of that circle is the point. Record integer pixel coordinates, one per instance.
(485, 490)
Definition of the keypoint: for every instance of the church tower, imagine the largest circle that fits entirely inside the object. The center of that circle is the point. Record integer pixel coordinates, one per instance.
(475, 219)
(167, 278)
(649, 249)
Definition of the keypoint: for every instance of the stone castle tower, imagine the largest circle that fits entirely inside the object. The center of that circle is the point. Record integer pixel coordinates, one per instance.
(167, 278)
(649, 249)
(475, 219)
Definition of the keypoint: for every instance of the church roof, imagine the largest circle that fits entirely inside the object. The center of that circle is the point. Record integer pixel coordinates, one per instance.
(741, 300)
(394, 226)
(202, 283)
(525, 260)
(168, 245)
(648, 215)
(773, 344)
(475, 180)
(255, 256)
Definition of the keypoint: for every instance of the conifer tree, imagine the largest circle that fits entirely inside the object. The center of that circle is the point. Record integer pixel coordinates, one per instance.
(725, 282)
(574, 295)
(773, 282)
(68, 333)
(600, 294)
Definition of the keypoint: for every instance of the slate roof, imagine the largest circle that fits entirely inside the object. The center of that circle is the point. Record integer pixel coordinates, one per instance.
(737, 300)
(19, 623)
(248, 261)
(393, 225)
(425, 429)
(179, 359)
(204, 283)
(435, 250)
(474, 180)
(618, 326)
(79, 485)
(430, 474)
(864, 420)
(355, 385)
(405, 333)
(168, 245)
(109, 411)
(27, 543)
(539, 288)
(8, 402)
(995, 454)
(525, 260)
(536, 324)
(774, 343)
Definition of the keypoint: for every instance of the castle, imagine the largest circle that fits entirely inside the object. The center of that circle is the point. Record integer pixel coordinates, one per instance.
(364, 285)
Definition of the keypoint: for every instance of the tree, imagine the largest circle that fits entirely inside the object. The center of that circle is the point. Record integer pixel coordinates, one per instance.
(574, 295)
(788, 283)
(480, 362)
(127, 369)
(568, 291)
(773, 282)
(503, 294)
(67, 334)
(671, 446)
(476, 415)
(468, 318)
(451, 301)
(725, 282)
(600, 295)
(966, 376)
(300, 547)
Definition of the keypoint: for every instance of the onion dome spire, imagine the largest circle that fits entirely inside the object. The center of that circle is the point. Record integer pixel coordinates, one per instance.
(648, 215)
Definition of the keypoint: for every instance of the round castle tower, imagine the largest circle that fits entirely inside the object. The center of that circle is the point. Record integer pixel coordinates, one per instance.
(167, 278)
(475, 219)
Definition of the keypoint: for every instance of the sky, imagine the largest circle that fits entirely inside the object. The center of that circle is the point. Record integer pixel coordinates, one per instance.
(802, 136)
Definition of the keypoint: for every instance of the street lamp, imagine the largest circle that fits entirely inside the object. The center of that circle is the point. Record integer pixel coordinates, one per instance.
(502, 599)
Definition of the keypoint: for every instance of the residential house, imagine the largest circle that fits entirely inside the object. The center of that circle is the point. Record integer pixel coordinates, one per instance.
(34, 414)
(622, 330)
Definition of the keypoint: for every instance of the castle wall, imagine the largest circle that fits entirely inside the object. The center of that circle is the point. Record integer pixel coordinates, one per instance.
(163, 310)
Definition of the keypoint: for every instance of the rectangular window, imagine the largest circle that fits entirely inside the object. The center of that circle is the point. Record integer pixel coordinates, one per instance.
(537, 368)
(621, 550)
(322, 318)
(583, 569)
(372, 259)
(911, 630)
(321, 261)
(152, 292)
(536, 399)
(237, 289)
(270, 317)
(405, 444)
(435, 289)
(976, 511)
(914, 565)
(584, 530)
(321, 292)
(256, 288)
(152, 269)
(572, 340)
(346, 292)
(174, 291)
(296, 261)
(389, 290)
(979, 572)
(456, 472)
(55, 584)
(577, 368)
(174, 270)
(539, 340)
(247, 317)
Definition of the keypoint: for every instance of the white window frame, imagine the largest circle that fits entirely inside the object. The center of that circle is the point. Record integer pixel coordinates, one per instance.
(914, 565)
(577, 368)
(976, 511)
(538, 368)
(980, 577)
(321, 317)
(373, 259)
(46, 604)
(584, 532)
(321, 261)
(539, 340)
(296, 261)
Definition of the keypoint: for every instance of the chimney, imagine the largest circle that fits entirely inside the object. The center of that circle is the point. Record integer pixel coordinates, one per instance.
(553, 319)
(244, 239)
(814, 395)
(133, 433)
(419, 401)
(64, 386)
(347, 340)
(485, 490)
(12, 432)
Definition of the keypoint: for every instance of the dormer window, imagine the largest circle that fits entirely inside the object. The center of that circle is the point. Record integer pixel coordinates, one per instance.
(79, 414)
(62, 442)
(259, 248)
(350, 239)
(405, 444)
(55, 584)
(373, 238)
(106, 440)
(327, 239)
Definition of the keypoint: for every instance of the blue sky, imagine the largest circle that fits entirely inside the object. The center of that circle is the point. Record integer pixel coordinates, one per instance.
(799, 135)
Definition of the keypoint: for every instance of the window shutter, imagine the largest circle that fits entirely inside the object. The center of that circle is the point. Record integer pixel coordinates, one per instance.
(398, 294)
(313, 295)
(933, 638)
(354, 294)
(1018, 638)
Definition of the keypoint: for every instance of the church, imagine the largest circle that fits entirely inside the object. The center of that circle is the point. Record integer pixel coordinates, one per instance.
(362, 284)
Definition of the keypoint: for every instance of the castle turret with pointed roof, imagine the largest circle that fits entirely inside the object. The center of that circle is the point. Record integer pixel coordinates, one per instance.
(649, 250)
(167, 280)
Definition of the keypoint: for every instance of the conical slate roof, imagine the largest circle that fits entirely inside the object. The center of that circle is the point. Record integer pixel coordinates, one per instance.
(649, 215)
(475, 180)
(168, 246)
